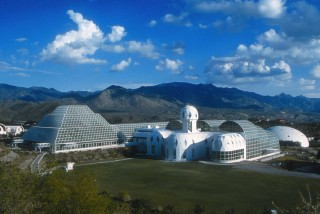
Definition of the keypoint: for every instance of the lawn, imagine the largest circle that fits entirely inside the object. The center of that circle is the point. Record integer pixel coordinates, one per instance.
(185, 184)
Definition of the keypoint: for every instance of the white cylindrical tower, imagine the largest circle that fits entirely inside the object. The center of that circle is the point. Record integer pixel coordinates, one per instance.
(189, 116)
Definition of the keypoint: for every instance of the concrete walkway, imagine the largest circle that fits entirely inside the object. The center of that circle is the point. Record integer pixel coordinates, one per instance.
(103, 162)
(35, 168)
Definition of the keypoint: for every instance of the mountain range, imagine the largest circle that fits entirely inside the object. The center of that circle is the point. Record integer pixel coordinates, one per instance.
(158, 102)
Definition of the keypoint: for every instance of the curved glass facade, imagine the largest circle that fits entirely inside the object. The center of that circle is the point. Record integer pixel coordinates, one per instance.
(259, 142)
(174, 125)
(228, 156)
(214, 124)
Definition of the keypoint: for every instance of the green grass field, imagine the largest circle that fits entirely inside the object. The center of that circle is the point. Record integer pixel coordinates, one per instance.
(185, 184)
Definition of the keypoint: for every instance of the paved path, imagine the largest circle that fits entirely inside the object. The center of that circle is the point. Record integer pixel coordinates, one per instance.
(35, 163)
(107, 161)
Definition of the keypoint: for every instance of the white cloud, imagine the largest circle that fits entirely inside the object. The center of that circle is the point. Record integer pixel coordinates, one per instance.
(271, 8)
(203, 26)
(176, 47)
(21, 39)
(273, 46)
(242, 8)
(175, 66)
(316, 71)
(235, 70)
(307, 84)
(23, 51)
(152, 23)
(178, 50)
(213, 6)
(282, 66)
(191, 77)
(271, 37)
(5, 67)
(117, 33)
(114, 48)
(76, 46)
(121, 65)
(21, 74)
(177, 20)
(146, 49)
(300, 21)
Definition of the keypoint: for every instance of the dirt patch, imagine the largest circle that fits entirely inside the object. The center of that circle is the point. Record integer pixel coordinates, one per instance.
(9, 157)
(25, 165)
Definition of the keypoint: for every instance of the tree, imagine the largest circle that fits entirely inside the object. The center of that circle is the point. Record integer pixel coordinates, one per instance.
(73, 193)
(18, 190)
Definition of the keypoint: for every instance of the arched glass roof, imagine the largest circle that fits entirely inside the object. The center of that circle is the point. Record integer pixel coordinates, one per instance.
(259, 141)
(212, 124)
(174, 125)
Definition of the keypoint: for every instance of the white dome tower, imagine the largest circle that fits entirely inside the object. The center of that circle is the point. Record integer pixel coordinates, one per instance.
(189, 116)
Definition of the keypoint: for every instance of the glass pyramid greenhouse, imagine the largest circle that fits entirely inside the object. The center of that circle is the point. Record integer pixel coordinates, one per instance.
(73, 128)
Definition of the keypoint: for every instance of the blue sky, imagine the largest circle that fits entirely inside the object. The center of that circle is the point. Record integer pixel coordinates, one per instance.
(263, 46)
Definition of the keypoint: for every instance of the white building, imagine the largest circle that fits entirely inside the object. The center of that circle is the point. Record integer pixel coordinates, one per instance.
(78, 128)
(14, 130)
(3, 130)
(190, 139)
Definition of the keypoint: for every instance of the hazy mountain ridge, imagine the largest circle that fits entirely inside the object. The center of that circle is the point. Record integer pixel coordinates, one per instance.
(159, 102)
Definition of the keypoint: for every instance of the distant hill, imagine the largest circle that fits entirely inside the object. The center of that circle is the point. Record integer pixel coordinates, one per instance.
(159, 102)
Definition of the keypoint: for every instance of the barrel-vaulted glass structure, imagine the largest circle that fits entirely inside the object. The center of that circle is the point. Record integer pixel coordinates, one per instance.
(259, 142)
